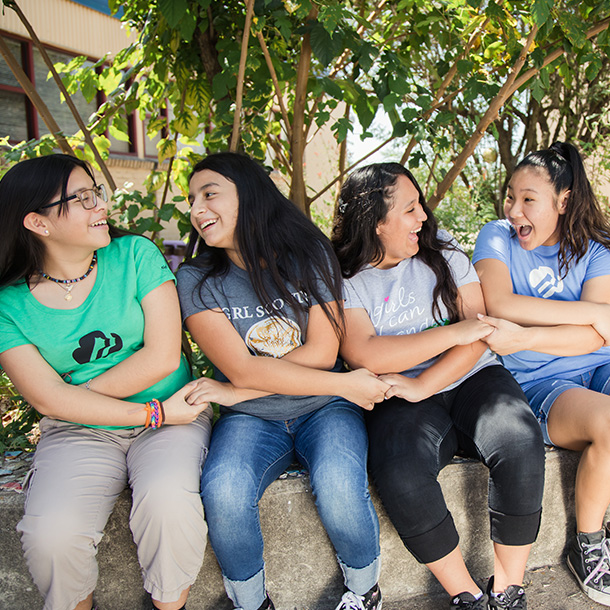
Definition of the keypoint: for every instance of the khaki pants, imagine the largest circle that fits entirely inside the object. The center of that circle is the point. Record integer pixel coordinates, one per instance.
(76, 477)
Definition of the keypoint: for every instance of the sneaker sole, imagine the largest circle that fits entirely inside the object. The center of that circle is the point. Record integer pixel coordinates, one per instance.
(594, 594)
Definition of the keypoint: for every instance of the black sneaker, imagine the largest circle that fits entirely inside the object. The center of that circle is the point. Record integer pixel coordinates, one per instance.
(267, 604)
(512, 598)
(589, 561)
(368, 601)
(467, 601)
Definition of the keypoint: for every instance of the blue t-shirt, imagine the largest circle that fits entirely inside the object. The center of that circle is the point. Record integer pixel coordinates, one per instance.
(535, 273)
(399, 300)
(83, 342)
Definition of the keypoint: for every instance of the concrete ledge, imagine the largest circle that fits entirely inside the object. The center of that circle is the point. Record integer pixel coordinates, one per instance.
(301, 567)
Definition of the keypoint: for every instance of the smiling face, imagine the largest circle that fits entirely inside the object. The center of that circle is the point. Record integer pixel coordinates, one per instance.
(398, 231)
(533, 208)
(214, 208)
(78, 228)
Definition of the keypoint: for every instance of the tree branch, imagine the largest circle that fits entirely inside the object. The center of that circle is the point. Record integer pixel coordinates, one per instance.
(349, 169)
(491, 114)
(594, 31)
(298, 193)
(441, 90)
(276, 84)
(79, 121)
(240, 76)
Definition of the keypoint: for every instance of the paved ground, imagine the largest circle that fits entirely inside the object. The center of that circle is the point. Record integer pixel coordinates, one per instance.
(550, 588)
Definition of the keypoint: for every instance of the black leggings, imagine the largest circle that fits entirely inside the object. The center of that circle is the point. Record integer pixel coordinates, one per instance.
(488, 418)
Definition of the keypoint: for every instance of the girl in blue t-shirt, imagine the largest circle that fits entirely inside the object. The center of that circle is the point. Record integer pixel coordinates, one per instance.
(545, 275)
(262, 298)
(90, 335)
(412, 299)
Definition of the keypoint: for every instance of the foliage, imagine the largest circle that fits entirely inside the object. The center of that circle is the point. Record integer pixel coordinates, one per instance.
(435, 68)
(17, 419)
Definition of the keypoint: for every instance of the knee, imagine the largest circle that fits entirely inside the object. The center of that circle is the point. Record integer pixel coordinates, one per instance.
(334, 490)
(404, 478)
(599, 431)
(56, 539)
(228, 494)
(516, 439)
(167, 501)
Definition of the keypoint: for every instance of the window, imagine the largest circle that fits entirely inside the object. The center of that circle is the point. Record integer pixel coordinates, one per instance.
(13, 118)
(49, 92)
(20, 120)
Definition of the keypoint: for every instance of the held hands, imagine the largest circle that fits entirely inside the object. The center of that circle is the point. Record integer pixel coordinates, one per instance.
(209, 390)
(178, 409)
(411, 389)
(363, 388)
(472, 329)
(506, 338)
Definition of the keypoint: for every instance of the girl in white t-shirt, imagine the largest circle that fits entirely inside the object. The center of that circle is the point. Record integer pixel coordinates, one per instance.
(412, 298)
(545, 270)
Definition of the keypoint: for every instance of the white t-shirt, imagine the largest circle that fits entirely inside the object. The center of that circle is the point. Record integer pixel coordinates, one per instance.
(399, 300)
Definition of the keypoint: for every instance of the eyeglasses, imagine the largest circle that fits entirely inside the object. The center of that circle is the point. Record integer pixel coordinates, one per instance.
(87, 198)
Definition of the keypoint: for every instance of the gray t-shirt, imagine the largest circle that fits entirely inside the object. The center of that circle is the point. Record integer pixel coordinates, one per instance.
(399, 300)
(264, 335)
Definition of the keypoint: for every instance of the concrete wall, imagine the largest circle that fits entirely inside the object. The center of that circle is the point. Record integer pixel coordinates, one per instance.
(301, 568)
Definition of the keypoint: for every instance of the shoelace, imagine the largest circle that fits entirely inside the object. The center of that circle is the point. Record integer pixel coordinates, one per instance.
(350, 601)
(516, 604)
(479, 604)
(602, 567)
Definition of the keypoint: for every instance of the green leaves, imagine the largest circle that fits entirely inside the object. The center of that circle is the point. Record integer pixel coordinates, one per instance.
(430, 69)
(173, 10)
(541, 10)
(325, 46)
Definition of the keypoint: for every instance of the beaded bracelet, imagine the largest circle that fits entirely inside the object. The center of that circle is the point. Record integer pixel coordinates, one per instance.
(155, 414)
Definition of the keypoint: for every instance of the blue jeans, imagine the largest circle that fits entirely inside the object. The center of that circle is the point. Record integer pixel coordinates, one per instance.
(487, 418)
(247, 453)
(543, 394)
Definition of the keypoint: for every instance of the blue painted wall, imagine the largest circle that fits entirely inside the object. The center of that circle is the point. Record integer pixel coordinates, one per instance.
(98, 5)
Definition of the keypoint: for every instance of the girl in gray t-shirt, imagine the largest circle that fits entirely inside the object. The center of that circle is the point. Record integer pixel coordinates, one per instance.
(412, 299)
(263, 300)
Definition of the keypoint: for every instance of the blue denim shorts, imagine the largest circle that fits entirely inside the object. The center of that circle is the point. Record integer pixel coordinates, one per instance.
(542, 395)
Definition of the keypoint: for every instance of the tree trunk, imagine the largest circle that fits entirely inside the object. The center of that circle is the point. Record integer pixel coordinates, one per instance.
(298, 191)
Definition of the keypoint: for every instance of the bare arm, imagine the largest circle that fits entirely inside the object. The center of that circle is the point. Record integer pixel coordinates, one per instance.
(49, 394)
(223, 345)
(362, 347)
(453, 364)
(321, 344)
(592, 310)
(502, 302)
(564, 340)
(160, 354)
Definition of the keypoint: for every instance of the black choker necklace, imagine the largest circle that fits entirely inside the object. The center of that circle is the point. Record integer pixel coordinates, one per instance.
(67, 285)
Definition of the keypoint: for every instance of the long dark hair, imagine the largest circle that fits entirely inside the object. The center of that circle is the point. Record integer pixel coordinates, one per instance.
(25, 188)
(366, 198)
(273, 236)
(583, 218)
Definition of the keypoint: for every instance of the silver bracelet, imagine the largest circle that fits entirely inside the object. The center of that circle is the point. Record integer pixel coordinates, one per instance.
(87, 384)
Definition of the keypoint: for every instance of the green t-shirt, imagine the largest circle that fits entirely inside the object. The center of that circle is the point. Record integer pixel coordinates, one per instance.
(107, 328)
